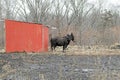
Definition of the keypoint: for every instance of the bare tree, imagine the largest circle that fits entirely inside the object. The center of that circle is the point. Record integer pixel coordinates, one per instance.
(8, 8)
(0, 9)
(80, 10)
(32, 10)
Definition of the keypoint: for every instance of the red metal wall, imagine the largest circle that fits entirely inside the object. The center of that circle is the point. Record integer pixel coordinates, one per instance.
(28, 37)
(45, 38)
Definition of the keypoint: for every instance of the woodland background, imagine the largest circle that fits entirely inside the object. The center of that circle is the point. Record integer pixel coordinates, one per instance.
(92, 24)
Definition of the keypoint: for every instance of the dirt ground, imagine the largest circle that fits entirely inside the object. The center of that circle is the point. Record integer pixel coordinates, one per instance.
(72, 65)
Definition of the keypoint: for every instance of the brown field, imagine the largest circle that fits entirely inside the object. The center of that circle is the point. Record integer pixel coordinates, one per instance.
(78, 63)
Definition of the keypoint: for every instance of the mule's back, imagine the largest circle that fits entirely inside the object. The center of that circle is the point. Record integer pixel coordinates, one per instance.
(58, 41)
(61, 41)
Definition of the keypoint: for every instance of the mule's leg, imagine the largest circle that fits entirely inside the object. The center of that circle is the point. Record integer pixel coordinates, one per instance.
(52, 47)
(64, 47)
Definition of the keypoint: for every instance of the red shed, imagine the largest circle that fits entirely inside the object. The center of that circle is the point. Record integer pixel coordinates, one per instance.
(28, 37)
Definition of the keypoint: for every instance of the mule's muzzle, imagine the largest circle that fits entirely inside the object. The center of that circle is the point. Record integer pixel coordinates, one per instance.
(74, 41)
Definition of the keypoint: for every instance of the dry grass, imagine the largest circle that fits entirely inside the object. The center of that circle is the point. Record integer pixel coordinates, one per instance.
(79, 50)
(7, 70)
(94, 50)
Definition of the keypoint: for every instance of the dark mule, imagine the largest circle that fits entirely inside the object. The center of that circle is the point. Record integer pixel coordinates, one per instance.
(61, 41)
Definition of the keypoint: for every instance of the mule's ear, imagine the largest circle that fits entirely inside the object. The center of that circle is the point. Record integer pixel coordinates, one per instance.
(71, 33)
(67, 34)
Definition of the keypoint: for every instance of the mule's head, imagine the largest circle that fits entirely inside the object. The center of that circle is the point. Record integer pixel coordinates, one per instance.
(72, 37)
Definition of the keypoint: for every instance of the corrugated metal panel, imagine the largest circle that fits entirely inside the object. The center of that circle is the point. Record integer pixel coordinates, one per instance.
(46, 37)
(21, 36)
